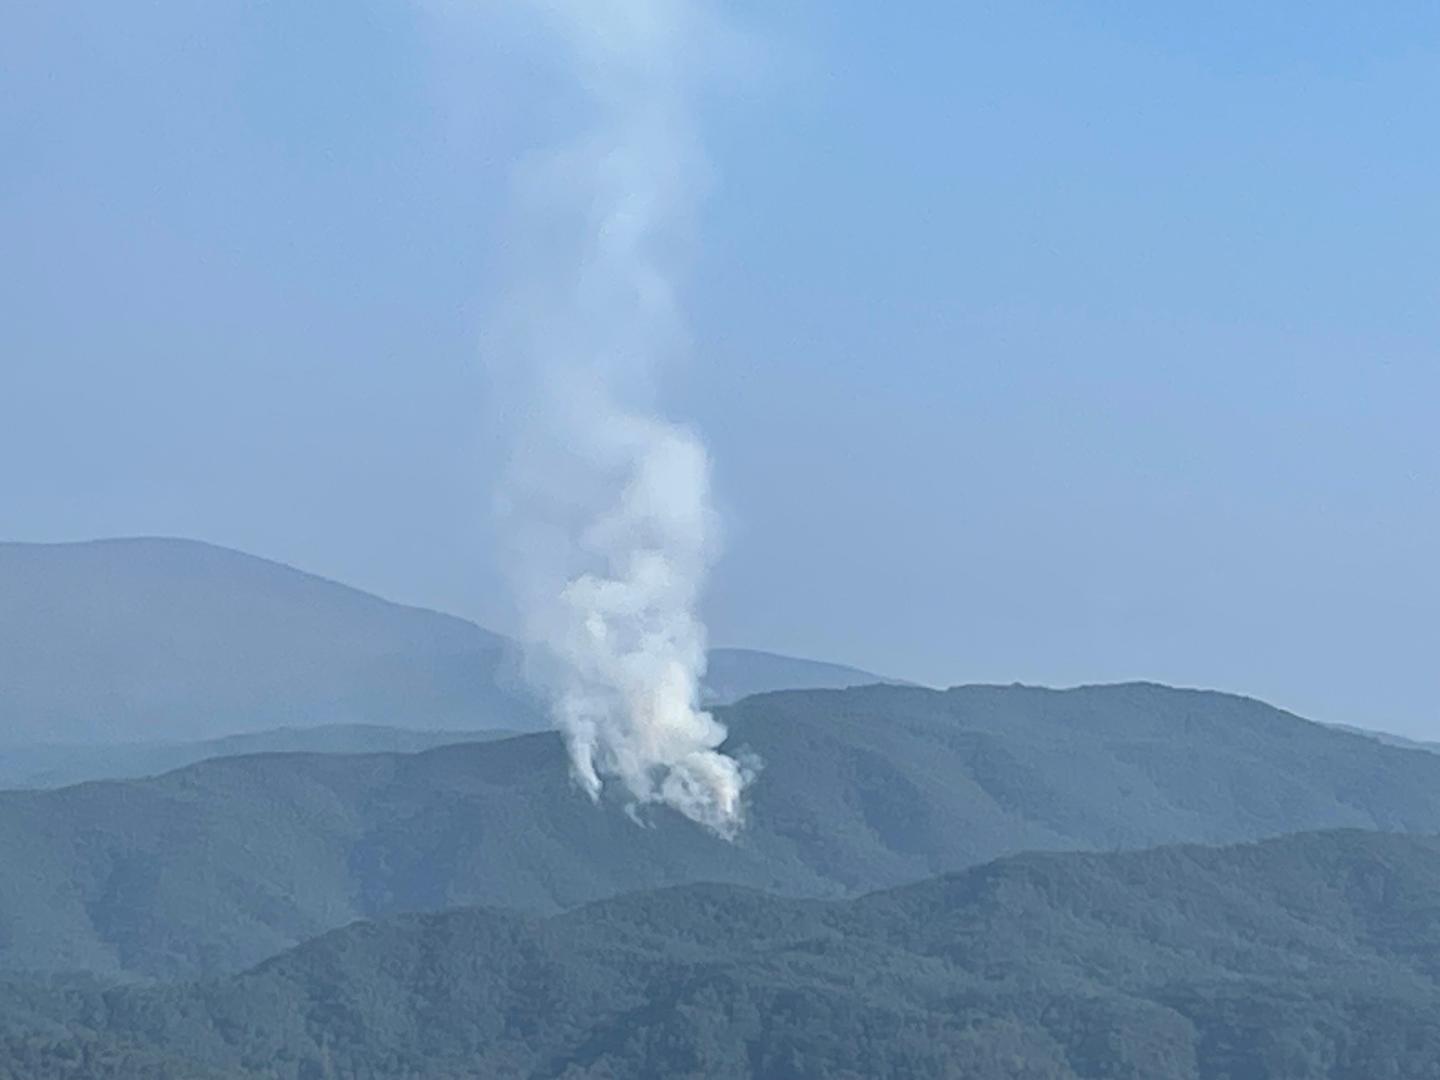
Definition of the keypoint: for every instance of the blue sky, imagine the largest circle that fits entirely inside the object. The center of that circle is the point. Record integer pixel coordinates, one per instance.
(1034, 341)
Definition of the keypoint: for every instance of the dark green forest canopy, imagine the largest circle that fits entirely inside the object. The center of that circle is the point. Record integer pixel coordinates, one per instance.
(1306, 957)
(215, 867)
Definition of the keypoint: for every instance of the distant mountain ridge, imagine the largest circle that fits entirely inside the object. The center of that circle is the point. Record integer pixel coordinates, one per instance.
(216, 866)
(1391, 740)
(1312, 957)
(176, 640)
(147, 639)
(52, 766)
(740, 673)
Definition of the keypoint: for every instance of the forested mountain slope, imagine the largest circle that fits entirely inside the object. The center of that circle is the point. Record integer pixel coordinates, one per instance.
(1313, 956)
(221, 864)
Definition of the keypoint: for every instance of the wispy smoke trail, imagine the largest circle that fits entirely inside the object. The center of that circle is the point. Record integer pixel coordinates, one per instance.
(607, 503)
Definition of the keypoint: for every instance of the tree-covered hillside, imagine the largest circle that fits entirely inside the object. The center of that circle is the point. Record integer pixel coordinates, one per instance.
(1314, 956)
(217, 866)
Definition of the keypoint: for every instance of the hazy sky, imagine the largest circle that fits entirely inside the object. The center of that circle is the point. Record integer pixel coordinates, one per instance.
(1046, 342)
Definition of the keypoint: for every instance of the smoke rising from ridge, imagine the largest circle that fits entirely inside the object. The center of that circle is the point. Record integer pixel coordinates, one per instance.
(607, 504)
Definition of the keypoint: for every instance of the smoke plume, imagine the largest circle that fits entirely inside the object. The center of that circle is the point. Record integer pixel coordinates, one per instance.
(607, 504)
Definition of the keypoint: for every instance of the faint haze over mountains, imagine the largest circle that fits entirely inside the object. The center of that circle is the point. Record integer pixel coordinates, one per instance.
(173, 641)
(1038, 342)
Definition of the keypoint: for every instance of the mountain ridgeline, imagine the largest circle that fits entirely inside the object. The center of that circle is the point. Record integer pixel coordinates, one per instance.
(1313, 956)
(311, 844)
(173, 641)
(51, 765)
(128, 640)
(217, 866)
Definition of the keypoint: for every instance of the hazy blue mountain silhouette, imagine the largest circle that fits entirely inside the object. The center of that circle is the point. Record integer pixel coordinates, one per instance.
(50, 765)
(174, 640)
(740, 673)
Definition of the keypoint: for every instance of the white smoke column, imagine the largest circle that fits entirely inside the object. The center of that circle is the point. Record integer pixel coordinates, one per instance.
(608, 504)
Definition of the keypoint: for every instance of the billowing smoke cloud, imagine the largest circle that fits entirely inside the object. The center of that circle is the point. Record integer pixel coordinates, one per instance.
(607, 505)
